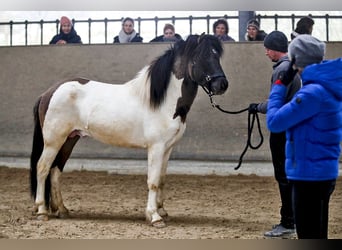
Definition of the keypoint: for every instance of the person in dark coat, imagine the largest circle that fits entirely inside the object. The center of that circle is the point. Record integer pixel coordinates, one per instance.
(67, 33)
(253, 31)
(128, 34)
(221, 30)
(169, 35)
(276, 45)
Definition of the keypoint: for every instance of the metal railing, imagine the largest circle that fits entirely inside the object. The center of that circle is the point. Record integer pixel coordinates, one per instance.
(7, 29)
(294, 18)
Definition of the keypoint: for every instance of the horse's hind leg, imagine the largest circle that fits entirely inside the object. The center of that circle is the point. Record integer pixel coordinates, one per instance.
(43, 168)
(57, 205)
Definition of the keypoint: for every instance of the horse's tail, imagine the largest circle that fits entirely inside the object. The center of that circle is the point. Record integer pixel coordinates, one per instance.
(37, 149)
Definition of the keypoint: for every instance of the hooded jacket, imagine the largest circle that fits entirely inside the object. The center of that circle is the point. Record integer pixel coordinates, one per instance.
(71, 37)
(312, 120)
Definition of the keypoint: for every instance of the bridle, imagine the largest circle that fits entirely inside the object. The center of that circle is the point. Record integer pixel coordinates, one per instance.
(207, 79)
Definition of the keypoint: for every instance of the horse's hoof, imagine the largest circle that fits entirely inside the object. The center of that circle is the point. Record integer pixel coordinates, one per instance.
(158, 224)
(34, 210)
(42, 217)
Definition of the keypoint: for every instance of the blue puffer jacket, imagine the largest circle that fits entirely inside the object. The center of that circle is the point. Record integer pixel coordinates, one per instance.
(313, 122)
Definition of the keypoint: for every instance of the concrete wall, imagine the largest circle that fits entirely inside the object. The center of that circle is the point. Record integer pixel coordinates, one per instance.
(210, 135)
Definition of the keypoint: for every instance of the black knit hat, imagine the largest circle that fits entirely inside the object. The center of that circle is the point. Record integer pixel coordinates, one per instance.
(276, 40)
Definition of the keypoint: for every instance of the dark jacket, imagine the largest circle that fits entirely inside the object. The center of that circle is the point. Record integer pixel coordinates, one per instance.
(225, 38)
(313, 122)
(72, 37)
(293, 87)
(161, 39)
(259, 37)
(136, 39)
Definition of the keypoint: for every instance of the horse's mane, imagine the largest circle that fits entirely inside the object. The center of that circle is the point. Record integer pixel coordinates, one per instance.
(161, 68)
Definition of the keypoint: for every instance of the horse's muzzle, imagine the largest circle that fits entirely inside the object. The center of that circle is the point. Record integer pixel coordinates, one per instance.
(219, 85)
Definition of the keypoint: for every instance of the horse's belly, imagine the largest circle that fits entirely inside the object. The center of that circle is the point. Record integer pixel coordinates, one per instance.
(119, 137)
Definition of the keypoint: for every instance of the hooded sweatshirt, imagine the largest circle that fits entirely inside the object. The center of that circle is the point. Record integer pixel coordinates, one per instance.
(312, 120)
(71, 37)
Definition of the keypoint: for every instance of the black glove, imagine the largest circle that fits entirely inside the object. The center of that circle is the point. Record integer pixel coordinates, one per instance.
(253, 108)
(286, 76)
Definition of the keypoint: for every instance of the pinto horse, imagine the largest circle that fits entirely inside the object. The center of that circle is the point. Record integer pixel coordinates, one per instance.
(148, 111)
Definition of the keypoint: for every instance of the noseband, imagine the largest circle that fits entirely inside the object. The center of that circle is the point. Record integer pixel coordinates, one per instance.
(207, 79)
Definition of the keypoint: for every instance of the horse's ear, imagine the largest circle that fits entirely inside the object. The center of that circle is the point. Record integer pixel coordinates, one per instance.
(200, 37)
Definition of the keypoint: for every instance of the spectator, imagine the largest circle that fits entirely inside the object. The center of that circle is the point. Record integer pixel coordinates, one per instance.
(313, 124)
(169, 35)
(128, 33)
(304, 26)
(221, 30)
(276, 50)
(67, 33)
(253, 31)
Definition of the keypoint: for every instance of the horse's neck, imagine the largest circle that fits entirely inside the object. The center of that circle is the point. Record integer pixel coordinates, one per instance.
(186, 95)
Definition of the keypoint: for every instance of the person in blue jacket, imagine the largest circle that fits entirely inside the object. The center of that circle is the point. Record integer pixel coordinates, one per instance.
(313, 124)
(67, 33)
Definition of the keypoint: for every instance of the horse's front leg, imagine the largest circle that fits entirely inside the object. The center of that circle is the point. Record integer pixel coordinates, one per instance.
(161, 196)
(155, 165)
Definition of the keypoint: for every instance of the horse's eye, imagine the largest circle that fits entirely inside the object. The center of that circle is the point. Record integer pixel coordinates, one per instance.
(214, 51)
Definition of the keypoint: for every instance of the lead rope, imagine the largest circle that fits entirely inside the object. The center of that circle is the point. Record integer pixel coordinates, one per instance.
(250, 126)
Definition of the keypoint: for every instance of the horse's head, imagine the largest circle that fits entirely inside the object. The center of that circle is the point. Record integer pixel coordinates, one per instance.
(203, 63)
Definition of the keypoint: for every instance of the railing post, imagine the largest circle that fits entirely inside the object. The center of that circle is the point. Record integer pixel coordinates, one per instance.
(139, 25)
(208, 24)
(11, 33)
(89, 30)
(106, 29)
(41, 31)
(327, 25)
(293, 21)
(26, 22)
(276, 22)
(57, 23)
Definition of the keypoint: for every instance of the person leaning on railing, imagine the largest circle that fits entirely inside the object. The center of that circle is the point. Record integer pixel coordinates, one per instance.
(67, 33)
(254, 33)
(169, 35)
(303, 26)
(221, 30)
(128, 34)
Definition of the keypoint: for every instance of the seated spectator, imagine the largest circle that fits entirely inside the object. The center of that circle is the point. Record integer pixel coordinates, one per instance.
(221, 29)
(169, 35)
(128, 34)
(67, 33)
(253, 31)
(304, 26)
